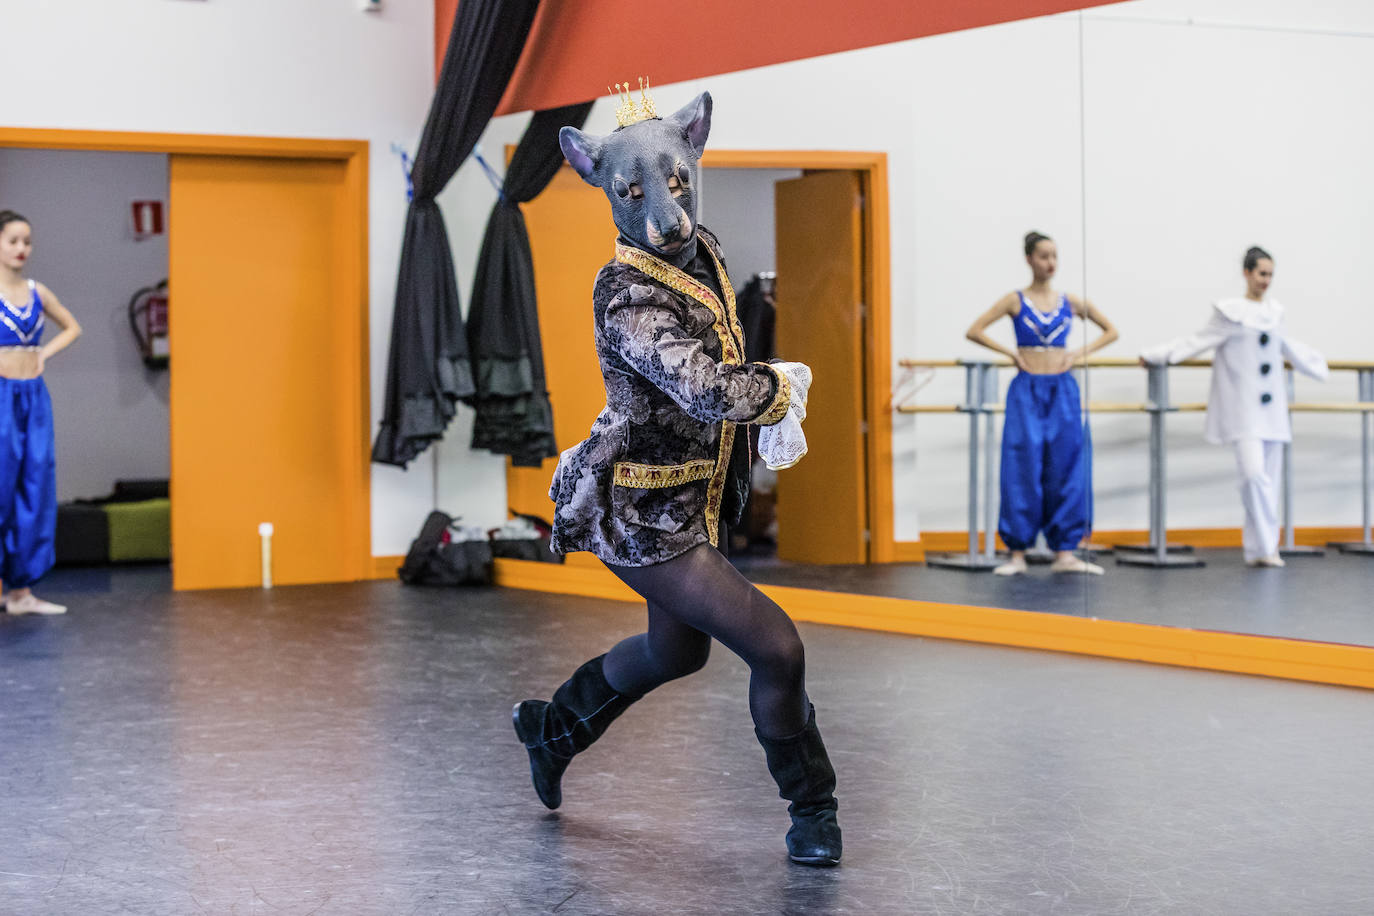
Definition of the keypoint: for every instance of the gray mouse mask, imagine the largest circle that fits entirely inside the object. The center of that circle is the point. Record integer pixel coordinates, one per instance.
(649, 173)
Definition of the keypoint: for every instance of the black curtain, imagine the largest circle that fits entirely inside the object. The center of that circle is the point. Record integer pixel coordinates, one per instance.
(428, 369)
(514, 416)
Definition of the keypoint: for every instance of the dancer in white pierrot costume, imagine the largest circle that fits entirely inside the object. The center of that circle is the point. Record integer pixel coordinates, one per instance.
(1248, 404)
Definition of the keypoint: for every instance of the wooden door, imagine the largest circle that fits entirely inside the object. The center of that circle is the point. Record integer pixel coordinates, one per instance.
(822, 502)
(268, 371)
(571, 237)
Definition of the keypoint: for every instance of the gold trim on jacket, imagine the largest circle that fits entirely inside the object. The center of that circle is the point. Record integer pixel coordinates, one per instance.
(777, 409)
(726, 325)
(727, 328)
(654, 476)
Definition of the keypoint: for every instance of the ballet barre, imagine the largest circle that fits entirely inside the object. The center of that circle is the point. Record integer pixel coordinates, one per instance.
(1365, 372)
(1158, 553)
(980, 386)
(1290, 547)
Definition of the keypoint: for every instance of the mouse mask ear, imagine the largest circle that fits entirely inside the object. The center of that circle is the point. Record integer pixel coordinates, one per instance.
(583, 152)
(694, 119)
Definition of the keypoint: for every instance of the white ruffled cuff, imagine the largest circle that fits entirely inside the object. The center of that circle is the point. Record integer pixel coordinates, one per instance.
(783, 444)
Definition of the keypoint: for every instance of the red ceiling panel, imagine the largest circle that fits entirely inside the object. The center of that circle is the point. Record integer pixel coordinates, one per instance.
(577, 48)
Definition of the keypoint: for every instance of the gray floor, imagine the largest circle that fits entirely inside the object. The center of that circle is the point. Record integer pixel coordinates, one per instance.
(1327, 599)
(347, 749)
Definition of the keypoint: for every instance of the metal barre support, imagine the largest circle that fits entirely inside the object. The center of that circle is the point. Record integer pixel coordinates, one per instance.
(979, 382)
(1290, 547)
(1366, 423)
(1158, 553)
(989, 390)
(973, 402)
(1366, 394)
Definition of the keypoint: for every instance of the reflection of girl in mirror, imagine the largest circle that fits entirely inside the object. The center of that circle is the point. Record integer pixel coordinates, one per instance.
(1046, 451)
(28, 470)
(1248, 403)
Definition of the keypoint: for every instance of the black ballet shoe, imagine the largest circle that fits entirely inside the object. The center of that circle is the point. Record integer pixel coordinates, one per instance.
(815, 839)
(802, 770)
(555, 732)
(546, 767)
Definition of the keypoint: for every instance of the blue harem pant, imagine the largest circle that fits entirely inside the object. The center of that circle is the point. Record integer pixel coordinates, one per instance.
(1046, 464)
(28, 482)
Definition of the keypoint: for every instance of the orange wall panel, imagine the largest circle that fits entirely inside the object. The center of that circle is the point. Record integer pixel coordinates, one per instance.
(266, 425)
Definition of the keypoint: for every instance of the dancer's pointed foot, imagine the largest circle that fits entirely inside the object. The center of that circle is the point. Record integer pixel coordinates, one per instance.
(556, 731)
(1068, 563)
(546, 767)
(29, 603)
(1013, 567)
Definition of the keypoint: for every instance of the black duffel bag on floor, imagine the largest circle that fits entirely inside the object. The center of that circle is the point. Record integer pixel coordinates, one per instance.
(435, 559)
(525, 537)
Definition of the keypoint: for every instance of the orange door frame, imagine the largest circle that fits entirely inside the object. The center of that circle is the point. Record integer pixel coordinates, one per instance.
(353, 375)
(877, 344)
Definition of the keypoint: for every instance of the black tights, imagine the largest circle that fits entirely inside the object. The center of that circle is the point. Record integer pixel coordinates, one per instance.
(697, 596)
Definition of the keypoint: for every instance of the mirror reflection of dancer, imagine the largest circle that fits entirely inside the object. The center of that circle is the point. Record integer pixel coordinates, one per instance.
(1046, 472)
(1247, 407)
(649, 490)
(28, 468)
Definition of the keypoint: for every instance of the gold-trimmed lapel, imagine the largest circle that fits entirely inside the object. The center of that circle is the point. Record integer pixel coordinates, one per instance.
(726, 322)
(730, 310)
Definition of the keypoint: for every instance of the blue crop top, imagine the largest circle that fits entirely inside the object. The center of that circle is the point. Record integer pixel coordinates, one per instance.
(1035, 328)
(22, 326)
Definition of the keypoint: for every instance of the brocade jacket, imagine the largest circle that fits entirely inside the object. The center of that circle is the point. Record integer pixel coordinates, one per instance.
(648, 483)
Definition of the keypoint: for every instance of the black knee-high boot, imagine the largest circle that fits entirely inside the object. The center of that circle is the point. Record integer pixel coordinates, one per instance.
(805, 777)
(554, 732)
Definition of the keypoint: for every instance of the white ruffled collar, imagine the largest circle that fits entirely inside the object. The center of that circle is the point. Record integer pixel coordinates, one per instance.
(1262, 316)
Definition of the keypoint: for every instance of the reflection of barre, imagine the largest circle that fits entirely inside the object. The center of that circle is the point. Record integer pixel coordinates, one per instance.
(1119, 362)
(980, 376)
(980, 384)
(1128, 407)
(1366, 395)
(1158, 553)
(1289, 547)
(1332, 406)
(1093, 407)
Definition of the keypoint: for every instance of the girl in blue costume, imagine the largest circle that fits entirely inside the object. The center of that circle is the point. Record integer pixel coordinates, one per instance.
(28, 469)
(1046, 472)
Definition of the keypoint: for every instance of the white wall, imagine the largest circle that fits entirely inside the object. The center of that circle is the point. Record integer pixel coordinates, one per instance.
(291, 68)
(738, 204)
(1196, 128)
(110, 412)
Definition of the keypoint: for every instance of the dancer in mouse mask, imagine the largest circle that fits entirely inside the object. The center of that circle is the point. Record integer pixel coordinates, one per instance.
(664, 472)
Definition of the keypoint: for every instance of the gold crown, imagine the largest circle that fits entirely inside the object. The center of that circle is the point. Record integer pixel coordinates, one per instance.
(630, 111)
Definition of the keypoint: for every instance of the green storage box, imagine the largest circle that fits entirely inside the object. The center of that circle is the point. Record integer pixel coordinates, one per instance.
(140, 530)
